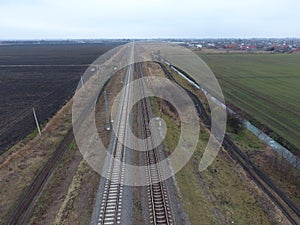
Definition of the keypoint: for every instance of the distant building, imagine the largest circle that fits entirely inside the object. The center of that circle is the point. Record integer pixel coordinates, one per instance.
(251, 47)
(232, 46)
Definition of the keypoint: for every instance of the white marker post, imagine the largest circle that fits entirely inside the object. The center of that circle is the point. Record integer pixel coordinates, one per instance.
(37, 122)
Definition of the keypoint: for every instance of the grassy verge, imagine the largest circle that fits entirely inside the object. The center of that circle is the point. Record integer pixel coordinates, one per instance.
(70, 194)
(20, 165)
(138, 196)
(21, 143)
(282, 174)
(56, 188)
(217, 195)
(73, 210)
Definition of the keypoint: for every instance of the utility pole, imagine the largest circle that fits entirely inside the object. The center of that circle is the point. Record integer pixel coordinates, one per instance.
(36, 122)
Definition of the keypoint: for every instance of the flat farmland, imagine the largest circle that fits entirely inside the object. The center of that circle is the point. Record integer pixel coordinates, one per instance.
(39, 76)
(266, 87)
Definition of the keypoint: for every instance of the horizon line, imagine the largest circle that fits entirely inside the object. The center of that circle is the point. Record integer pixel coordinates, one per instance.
(139, 38)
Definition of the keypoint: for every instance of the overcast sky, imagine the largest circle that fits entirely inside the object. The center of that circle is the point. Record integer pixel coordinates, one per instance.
(52, 19)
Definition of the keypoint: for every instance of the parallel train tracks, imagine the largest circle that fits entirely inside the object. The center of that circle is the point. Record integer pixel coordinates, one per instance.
(158, 200)
(111, 205)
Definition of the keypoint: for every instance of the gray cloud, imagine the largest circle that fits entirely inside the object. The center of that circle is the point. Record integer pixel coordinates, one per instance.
(155, 18)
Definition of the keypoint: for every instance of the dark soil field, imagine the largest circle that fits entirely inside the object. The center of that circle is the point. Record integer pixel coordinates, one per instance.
(39, 76)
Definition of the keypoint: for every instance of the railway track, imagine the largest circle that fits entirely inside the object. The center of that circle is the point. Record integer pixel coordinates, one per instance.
(158, 200)
(111, 206)
(288, 208)
(24, 206)
(111, 203)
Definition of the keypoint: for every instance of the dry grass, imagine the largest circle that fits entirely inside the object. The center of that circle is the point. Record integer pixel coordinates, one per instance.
(21, 163)
(66, 209)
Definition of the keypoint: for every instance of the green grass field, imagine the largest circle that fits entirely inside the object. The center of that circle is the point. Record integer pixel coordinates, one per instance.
(265, 86)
